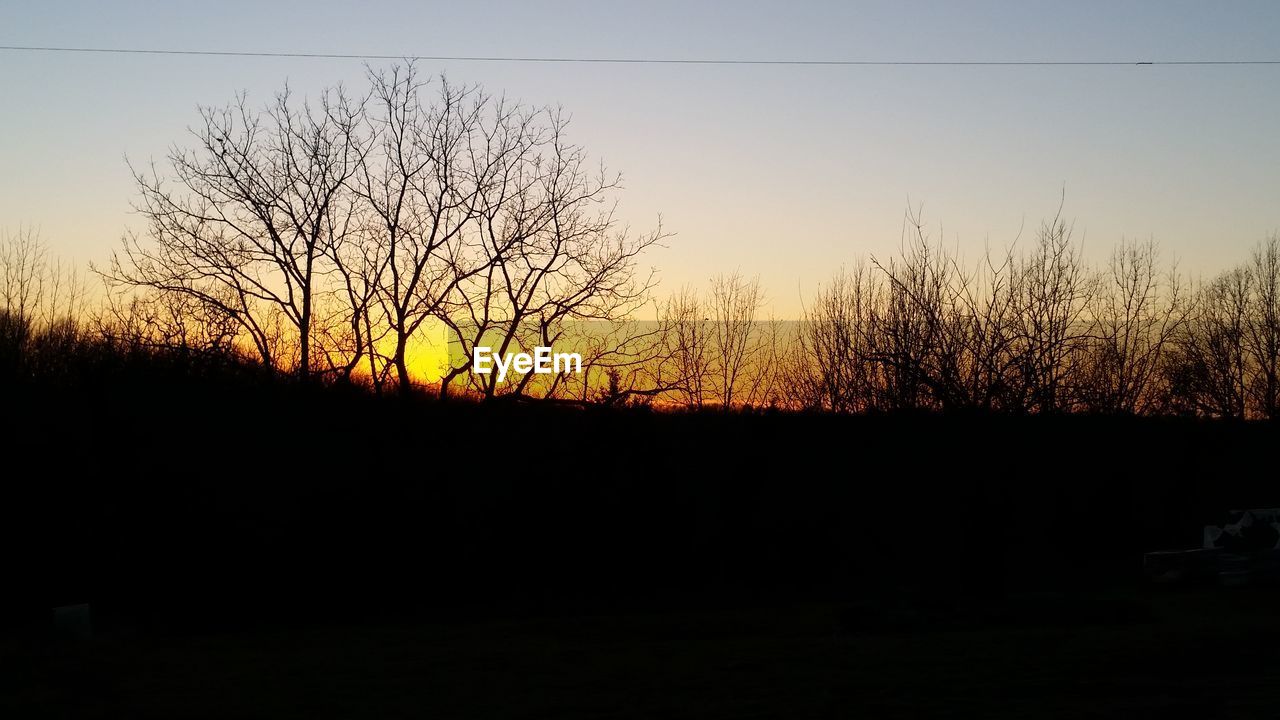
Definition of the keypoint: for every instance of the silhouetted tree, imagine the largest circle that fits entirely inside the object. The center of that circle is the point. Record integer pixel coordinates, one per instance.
(1262, 331)
(687, 345)
(1208, 373)
(830, 366)
(424, 189)
(1052, 290)
(737, 345)
(43, 304)
(1137, 312)
(245, 219)
(551, 250)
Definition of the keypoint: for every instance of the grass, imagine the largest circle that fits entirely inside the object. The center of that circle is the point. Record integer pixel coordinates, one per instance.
(1201, 653)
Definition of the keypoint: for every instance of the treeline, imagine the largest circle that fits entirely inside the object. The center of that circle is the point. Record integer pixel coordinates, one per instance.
(1041, 332)
(1034, 330)
(324, 240)
(1021, 333)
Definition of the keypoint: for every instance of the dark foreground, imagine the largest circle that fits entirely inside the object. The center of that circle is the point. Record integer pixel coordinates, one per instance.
(256, 549)
(1195, 654)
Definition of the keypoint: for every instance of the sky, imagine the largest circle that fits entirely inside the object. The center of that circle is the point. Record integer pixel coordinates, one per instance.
(783, 172)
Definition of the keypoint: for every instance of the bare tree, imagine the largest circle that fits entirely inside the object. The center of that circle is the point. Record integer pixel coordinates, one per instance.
(737, 346)
(24, 265)
(912, 334)
(553, 253)
(166, 321)
(830, 367)
(1137, 313)
(1052, 290)
(421, 188)
(1262, 330)
(987, 305)
(1209, 371)
(687, 344)
(43, 303)
(250, 215)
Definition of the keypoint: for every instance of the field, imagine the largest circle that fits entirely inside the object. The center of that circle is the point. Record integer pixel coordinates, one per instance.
(258, 551)
(1207, 653)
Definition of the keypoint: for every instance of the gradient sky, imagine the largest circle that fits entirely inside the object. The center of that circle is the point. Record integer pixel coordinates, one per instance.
(785, 172)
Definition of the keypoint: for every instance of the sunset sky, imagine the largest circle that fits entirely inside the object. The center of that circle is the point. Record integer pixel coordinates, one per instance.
(782, 171)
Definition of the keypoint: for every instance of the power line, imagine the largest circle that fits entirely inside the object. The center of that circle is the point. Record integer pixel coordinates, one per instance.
(625, 60)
